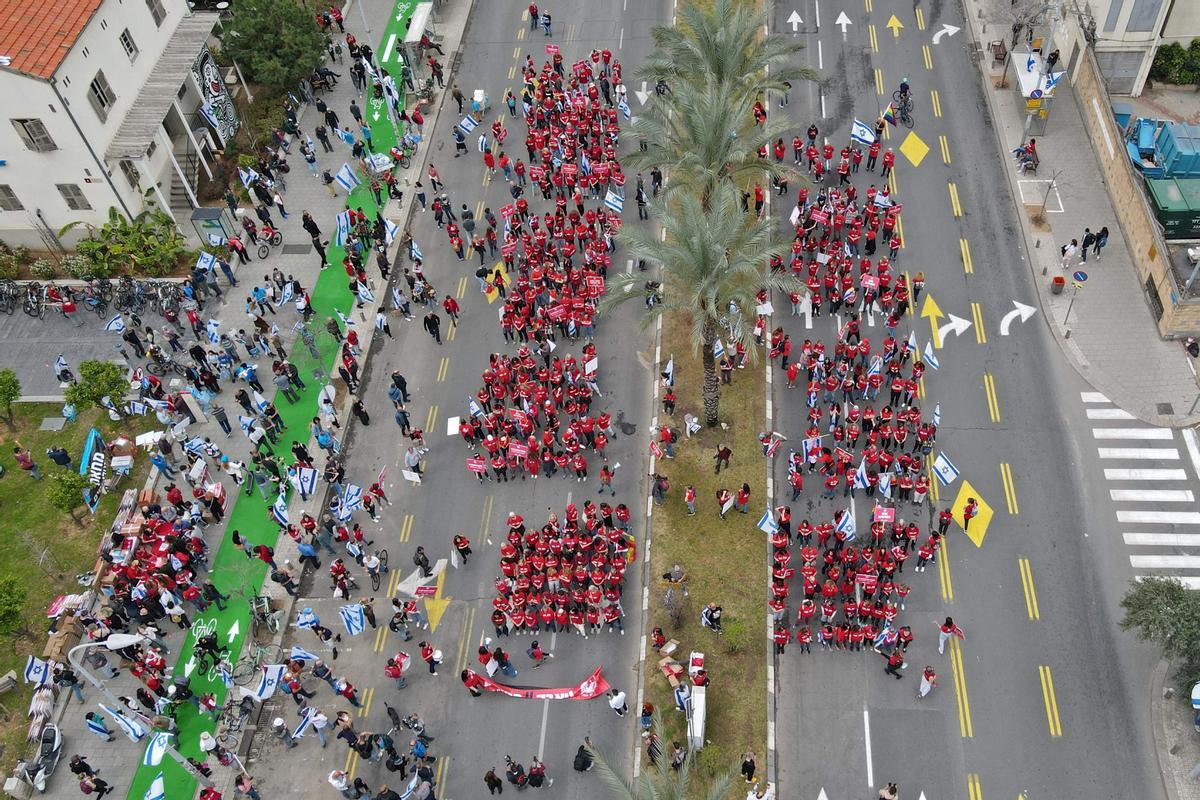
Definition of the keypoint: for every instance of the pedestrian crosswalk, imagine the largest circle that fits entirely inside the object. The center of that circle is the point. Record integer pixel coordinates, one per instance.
(1153, 488)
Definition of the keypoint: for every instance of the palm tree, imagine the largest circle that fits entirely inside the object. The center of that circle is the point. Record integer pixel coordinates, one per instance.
(659, 781)
(713, 263)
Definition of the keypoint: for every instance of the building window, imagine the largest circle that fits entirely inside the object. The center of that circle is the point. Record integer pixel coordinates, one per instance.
(74, 197)
(101, 95)
(34, 134)
(8, 199)
(127, 42)
(157, 11)
(130, 171)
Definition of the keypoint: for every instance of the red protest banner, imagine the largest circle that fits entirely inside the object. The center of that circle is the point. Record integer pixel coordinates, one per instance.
(593, 686)
(518, 450)
(885, 515)
(552, 50)
(867, 580)
(536, 174)
(477, 464)
(820, 217)
(569, 170)
(595, 283)
(557, 313)
(869, 282)
(426, 591)
(507, 250)
(508, 210)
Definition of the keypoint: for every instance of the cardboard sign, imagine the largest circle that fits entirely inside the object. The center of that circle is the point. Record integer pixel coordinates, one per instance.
(477, 465)
(885, 515)
(537, 173)
(552, 50)
(867, 580)
(518, 450)
(595, 283)
(570, 170)
(820, 217)
(508, 250)
(557, 313)
(425, 591)
(508, 210)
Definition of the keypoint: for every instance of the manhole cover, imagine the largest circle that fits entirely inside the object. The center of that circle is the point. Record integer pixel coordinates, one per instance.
(1165, 409)
(296, 249)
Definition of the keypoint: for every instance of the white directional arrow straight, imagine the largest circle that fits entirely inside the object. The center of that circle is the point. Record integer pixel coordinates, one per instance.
(806, 311)
(956, 325)
(234, 630)
(794, 20)
(843, 21)
(642, 94)
(947, 30)
(1019, 310)
(821, 795)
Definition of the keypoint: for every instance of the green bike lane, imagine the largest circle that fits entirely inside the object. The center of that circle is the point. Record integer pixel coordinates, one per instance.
(230, 570)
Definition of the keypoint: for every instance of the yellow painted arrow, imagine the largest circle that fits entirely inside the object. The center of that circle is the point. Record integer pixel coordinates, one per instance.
(437, 605)
(931, 310)
(895, 25)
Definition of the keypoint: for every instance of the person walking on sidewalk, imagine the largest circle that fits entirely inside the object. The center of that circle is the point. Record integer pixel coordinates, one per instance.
(1069, 251)
(1101, 241)
(1089, 239)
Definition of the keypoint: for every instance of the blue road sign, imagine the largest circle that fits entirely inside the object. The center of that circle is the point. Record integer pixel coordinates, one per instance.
(1079, 275)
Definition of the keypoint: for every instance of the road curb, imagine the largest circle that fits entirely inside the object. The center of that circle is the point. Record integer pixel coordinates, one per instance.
(1158, 726)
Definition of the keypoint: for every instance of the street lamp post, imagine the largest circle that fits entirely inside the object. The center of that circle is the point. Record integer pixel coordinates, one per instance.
(119, 641)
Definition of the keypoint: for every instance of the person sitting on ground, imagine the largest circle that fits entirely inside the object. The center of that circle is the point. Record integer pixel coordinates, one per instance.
(710, 617)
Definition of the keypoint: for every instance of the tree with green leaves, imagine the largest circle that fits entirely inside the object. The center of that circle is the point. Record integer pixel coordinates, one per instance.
(1163, 611)
(12, 608)
(66, 492)
(97, 380)
(714, 261)
(10, 391)
(275, 42)
(660, 781)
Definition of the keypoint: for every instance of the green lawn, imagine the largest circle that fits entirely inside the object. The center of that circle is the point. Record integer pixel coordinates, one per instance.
(40, 545)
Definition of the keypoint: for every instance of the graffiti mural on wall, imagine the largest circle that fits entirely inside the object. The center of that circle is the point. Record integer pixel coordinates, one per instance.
(216, 105)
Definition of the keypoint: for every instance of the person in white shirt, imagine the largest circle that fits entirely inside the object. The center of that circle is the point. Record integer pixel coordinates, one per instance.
(616, 701)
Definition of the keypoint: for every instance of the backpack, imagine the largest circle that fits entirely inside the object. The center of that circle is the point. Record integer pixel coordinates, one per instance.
(674, 435)
(529, 652)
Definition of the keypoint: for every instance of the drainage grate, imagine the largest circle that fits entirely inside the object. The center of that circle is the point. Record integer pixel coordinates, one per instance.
(296, 249)
(1165, 409)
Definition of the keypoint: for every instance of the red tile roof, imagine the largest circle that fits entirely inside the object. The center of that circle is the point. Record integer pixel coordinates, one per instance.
(38, 36)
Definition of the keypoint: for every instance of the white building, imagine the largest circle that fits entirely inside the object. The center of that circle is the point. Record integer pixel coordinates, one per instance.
(1129, 33)
(106, 100)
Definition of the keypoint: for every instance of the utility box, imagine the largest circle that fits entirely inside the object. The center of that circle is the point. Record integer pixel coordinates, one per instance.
(697, 711)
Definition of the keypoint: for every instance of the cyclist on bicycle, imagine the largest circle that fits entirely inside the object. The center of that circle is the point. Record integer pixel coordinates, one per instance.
(904, 87)
(206, 648)
(372, 564)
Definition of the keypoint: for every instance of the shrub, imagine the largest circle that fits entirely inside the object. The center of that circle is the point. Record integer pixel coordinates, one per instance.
(736, 636)
(149, 244)
(43, 269)
(8, 267)
(81, 267)
(22, 255)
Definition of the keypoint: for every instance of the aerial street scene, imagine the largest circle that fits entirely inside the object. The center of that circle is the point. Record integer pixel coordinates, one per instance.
(645, 399)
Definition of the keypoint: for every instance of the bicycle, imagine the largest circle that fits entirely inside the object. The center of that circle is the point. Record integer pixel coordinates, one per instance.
(903, 107)
(377, 574)
(9, 294)
(250, 665)
(33, 304)
(163, 364)
(268, 237)
(262, 614)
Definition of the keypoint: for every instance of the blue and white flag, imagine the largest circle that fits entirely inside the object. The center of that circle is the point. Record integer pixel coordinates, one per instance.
(767, 523)
(614, 201)
(272, 674)
(248, 176)
(930, 357)
(585, 166)
(346, 178)
(390, 229)
(131, 727)
(669, 372)
(60, 364)
(364, 293)
(194, 444)
(286, 293)
(623, 107)
(307, 618)
(346, 136)
(225, 675)
(305, 723)
(352, 497)
(137, 407)
(885, 484)
(245, 423)
(156, 748)
(96, 725)
(414, 251)
(718, 349)
(260, 402)
(944, 469)
(279, 510)
(876, 366)
(397, 303)
(115, 325)
(912, 342)
(306, 480)
(36, 671)
(354, 619)
(474, 408)
(937, 415)
(846, 525)
(347, 321)
(468, 124)
(206, 261)
(213, 328)
(300, 654)
(1029, 62)
(861, 132)
(157, 790)
(157, 405)
(1052, 80)
(341, 231)
(860, 475)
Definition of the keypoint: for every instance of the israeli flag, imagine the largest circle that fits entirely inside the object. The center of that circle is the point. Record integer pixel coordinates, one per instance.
(354, 619)
(614, 201)
(346, 136)
(260, 402)
(206, 261)
(36, 671)
(390, 229)
(718, 349)
(131, 727)
(306, 480)
(286, 293)
(346, 178)
(937, 415)
(396, 301)
(341, 230)
(414, 251)
(860, 475)
(885, 484)
(248, 176)
(669, 372)
(214, 331)
(345, 320)
(300, 654)
(96, 725)
(944, 469)
(60, 364)
(115, 325)
(364, 293)
(305, 722)
(156, 749)
(912, 342)
(279, 510)
(861, 132)
(136, 407)
(245, 423)
(846, 525)
(468, 124)
(930, 357)
(272, 674)
(585, 166)
(623, 107)
(1052, 80)
(876, 366)
(1029, 62)
(767, 523)
(157, 790)
(307, 618)
(226, 677)
(352, 497)
(194, 445)
(474, 408)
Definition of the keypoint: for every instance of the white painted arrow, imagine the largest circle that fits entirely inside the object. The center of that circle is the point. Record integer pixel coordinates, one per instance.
(233, 631)
(922, 797)
(409, 585)
(1019, 310)
(642, 94)
(189, 667)
(822, 795)
(947, 30)
(956, 325)
(794, 20)
(843, 20)
(629, 275)
(806, 311)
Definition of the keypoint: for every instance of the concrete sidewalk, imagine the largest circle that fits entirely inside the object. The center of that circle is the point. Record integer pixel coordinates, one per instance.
(1110, 336)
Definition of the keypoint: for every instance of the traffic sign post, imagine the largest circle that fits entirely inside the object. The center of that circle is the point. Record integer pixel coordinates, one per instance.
(1078, 278)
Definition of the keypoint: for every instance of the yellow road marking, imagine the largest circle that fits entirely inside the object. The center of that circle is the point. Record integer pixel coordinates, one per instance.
(525, 16)
(974, 791)
(444, 367)
(1010, 488)
(517, 50)
(874, 44)
(462, 287)
(405, 532)
(978, 527)
(380, 635)
(571, 32)
(954, 204)
(1031, 603)
(460, 658)
(349, 762)
(430, 417)
(878, 73)
(945, 143)
(868, 4)
(960, 690)
(450, 333)
(980, 331)
(934, 484)
(369, 694)
(894, 25)
(943, 560)
(393, 581)
(887, 131)
(512, 72)
(479, 209)
(936, 101)
(1048, 697)
(520, 35)
(989, 389)
(440, 778)
(900, 230)
(965, 248)
(892, 182)
(928, 56)
(920, 19)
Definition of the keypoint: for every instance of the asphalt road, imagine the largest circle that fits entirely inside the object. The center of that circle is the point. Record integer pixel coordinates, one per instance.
(473, 735)
(1045, 682)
